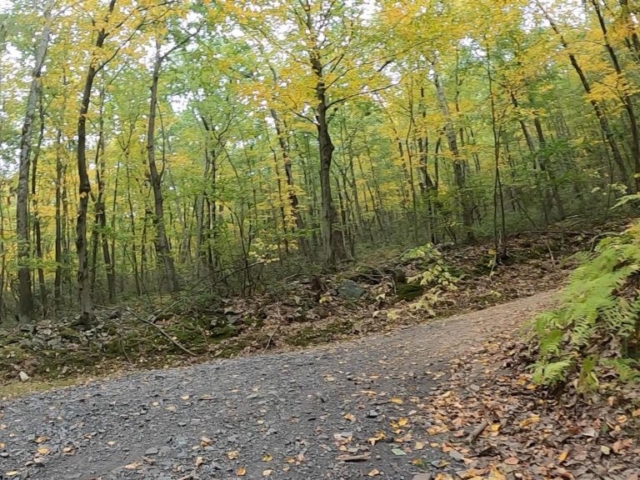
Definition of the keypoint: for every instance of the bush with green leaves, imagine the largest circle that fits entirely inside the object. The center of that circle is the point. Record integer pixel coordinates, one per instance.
(593, 336)
(434, 273)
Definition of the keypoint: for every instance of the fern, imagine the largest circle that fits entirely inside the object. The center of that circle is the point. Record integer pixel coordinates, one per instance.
(597, 325)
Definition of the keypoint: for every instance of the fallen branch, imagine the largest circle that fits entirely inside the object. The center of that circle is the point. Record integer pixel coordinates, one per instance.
(165, 334)
(354, 458)
(477, 432)
(266, 347)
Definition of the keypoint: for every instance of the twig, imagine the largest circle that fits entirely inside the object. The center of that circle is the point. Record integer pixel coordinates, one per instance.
(165, 334)
(553, 260)
(477, 432)
(124, 350)
(266, 347)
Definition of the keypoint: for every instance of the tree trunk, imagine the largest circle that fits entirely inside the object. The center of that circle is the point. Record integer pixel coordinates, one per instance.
(332, 236)
(26, 306)
(84, 288)
(57, 283)
(597, 108)
(291, 192)
(458, 166)
(162, 246)
(626, 99)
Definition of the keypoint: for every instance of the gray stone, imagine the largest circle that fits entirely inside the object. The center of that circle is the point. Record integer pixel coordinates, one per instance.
(350, 290)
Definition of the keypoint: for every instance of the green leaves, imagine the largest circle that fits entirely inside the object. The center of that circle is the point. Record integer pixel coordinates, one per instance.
(595, 328)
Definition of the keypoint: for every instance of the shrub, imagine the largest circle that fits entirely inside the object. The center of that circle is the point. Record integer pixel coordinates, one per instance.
(595, 331)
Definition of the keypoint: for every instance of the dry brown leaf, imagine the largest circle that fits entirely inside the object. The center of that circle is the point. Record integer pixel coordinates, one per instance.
(132, 466)
(563, 456)
(205, 441)
(418, 446)
(496, 474)
(267, 458)
(233, 454)
(396, 400)
(241, 471)
(443, 476)
(378, 436)
(512, 461)
(350, 417)
(43, 451)
(42, 439)
(530, 421)
(267, 473)
(374, 473)
(199, 462)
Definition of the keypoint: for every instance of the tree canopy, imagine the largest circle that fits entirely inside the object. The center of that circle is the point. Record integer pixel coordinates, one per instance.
(146, 145)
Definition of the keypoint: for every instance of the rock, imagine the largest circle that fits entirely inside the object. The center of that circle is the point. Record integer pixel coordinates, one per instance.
(423, 476)
(408, 291)
(23, 376)
(70, 334)
(372, 414)
(152, 451)
(28, 328)
(350, 290)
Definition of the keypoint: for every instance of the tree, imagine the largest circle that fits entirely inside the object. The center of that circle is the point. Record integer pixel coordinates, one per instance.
(26, 138)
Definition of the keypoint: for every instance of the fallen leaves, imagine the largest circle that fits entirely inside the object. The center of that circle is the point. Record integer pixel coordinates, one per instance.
(205, 441)
(376, 438)
(43, 451)
(506, 427)
(241, 471)
(233, 455)
(533, 419)
(349, 417)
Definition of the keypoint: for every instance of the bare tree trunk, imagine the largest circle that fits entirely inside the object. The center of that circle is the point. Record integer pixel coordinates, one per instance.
(57, 283)
(26, 306)
(294, 203)
(332, 241)
(458, 166)
(37, 230)
(162, 246)
(84, 288)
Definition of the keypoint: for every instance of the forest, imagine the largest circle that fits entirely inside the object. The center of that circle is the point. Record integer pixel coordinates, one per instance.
(187, 181)
(146, 145)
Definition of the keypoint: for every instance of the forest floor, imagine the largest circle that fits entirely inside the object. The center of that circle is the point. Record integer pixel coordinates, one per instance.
(198, 326)
(435, 401)
(415, 389)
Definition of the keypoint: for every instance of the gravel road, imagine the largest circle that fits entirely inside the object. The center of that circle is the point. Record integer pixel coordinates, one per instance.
(286, 416)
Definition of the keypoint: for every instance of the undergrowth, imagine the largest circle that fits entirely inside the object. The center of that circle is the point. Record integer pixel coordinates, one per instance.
(593, 337)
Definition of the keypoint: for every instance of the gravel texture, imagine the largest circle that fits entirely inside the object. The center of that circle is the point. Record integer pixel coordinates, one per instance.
(279, 416)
